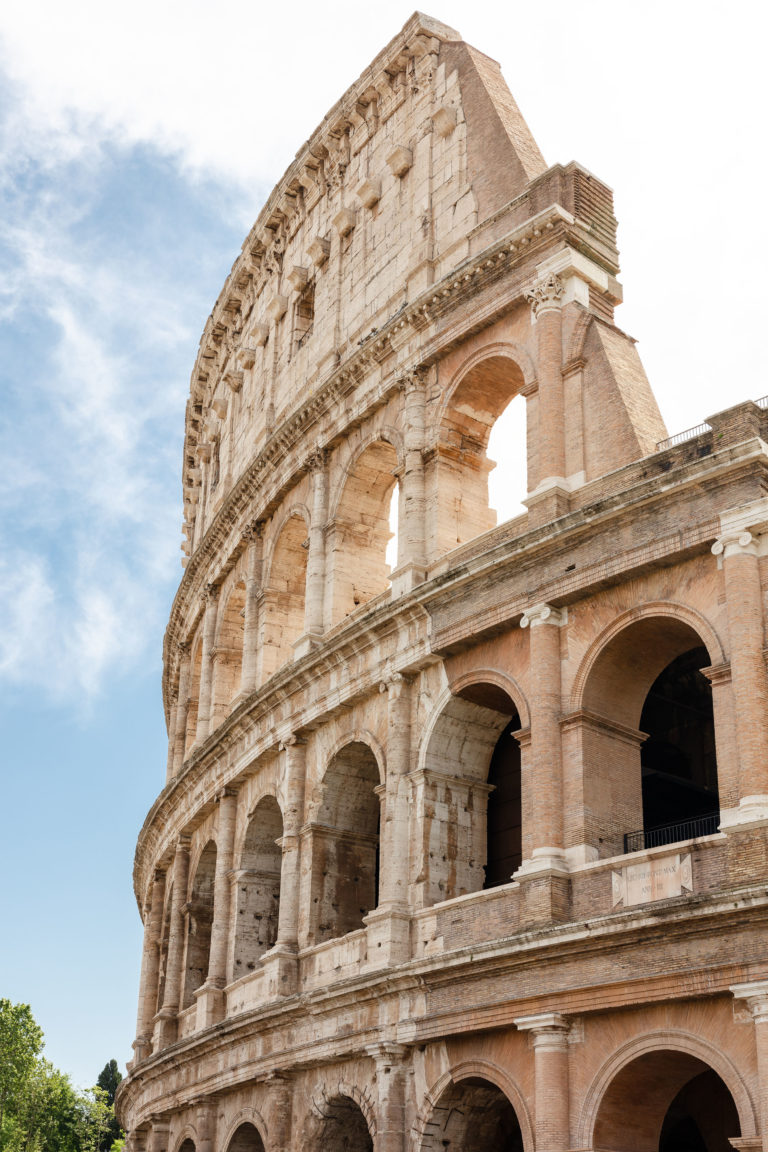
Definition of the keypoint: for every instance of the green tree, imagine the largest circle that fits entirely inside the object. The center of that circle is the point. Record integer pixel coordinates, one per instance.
(108, 1080)
(21, 1041)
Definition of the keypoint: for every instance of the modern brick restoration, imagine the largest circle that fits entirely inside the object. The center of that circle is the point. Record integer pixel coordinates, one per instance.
(472, 853)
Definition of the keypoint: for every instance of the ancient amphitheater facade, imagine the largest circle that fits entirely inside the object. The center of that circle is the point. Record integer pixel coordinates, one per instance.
(469, 854)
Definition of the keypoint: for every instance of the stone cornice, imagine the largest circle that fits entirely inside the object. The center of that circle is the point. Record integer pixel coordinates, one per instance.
(147, 1090)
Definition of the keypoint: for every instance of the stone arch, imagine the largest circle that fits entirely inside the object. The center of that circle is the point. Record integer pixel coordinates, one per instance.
(258, 886)
(699, 1054)
(501, 680)
(343, 1120)
(446, 1093)
(249, 1117)
(285, 588)
(186, 1141)
(228, 652)
(469, 735)
(361, 736)
(345, 842)
(660, 608)
(642, 730)
(478, 393)
(199, 921)
(359, 529)
(165, 927)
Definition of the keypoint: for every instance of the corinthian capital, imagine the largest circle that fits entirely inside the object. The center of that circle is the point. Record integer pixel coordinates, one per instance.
(545, 294)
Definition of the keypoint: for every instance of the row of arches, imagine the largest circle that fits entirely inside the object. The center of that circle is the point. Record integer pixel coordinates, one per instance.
(665, 1100)
(470, 825)
(364, 531)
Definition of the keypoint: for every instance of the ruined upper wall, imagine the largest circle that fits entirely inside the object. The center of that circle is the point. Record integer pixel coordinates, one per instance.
(406, 177)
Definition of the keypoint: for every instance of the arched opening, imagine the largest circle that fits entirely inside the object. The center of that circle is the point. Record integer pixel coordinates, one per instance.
(344, 1127)
(258, 887)
(473, 1116)
(345, 844)
(199, 922)
(187, 1145)
(246, 1139)
(284, 597)
(195, 669)
(361, 530)
(679, 765)
(650, 767)
(228, 657)
(469, 799)
(484, 393)
(507, 447)
(667, 1101)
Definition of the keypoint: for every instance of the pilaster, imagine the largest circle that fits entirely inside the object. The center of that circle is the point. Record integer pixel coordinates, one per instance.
(549, 1035)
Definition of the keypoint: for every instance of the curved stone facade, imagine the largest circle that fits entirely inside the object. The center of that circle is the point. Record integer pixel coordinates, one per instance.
(469, 853)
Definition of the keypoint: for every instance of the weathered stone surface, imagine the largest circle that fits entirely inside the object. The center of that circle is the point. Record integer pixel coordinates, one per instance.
(473, 853)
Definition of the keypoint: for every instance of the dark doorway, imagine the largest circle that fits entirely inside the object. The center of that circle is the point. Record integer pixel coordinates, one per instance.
(504, 828)
(679, 766)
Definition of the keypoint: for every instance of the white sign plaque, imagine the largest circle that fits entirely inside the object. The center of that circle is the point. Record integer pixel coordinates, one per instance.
(657, 879)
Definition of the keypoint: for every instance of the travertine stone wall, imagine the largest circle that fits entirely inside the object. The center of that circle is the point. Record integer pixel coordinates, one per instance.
(331, 959)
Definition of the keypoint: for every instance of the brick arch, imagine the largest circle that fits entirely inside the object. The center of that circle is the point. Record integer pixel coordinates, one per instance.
(671, 1040)
(358, 526)
(661, 609)
(476, 1068)
(476, 396)
(501, 680)
(502, 349)
(387, 434)
(245, 1116)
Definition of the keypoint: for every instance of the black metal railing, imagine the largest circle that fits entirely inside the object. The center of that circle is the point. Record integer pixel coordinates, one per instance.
(671, 833)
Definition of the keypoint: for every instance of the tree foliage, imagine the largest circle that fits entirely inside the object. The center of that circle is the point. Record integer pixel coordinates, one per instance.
(40, 1109)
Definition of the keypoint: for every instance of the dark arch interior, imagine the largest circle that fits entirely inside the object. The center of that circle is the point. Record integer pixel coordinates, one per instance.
(504, 828)
(344, 1128)
(679, 766)
(188, 1145)
(701, 1118)
(473, 1116)
(667, 1101)
(246, 1139)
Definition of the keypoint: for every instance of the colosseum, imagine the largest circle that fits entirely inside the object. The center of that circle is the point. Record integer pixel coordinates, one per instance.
(467, 850)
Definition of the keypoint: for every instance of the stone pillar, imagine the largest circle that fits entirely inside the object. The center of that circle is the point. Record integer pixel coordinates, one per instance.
(391, 1074)
(543, 841)
(254, 596)
(150, 968)
(389, 924)
(549, 1033)
(314, 611)
(755, 995)
(279, 1109)
(158, 1136)
(206, 1126)
(182, 709)
(165, 1021)
(550, 499)
(411, 554)
(210, 997)
(287, 942)
(173, 709)
(739, 551)
(210, 596)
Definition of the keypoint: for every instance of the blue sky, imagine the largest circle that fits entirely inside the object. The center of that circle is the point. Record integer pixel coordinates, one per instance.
(137, 144)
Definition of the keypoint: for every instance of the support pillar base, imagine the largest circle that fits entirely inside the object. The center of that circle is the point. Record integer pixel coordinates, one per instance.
(388, 937)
